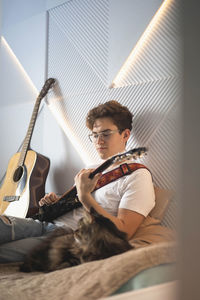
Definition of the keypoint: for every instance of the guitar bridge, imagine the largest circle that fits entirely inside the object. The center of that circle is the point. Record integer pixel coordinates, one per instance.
(11, 198)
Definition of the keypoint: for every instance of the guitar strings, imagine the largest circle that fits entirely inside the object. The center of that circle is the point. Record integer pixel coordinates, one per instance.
(19, 148)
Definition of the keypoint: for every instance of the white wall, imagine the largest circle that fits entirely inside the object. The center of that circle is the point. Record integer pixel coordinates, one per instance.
(24, 28)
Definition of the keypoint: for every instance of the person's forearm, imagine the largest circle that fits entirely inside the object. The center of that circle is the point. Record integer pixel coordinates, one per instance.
(88, 201)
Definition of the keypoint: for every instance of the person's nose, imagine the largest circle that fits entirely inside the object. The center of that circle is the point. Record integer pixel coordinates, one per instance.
(100, 139)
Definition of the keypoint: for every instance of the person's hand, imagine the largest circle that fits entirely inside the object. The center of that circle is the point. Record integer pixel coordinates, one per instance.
(48, 199)
(84, 184)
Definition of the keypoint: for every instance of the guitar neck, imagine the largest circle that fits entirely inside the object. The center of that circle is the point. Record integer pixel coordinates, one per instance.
(101, 168)
(29, 133)
(48, 84)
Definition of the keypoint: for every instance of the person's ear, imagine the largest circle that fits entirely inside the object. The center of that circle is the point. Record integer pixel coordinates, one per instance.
(127, 134)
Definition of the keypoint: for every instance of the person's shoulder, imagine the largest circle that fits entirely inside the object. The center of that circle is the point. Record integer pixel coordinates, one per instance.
(139, 171)
(140, 166)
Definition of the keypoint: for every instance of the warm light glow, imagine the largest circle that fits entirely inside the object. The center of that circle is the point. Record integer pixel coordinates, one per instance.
(17, 62)
(69, 132)
(60, 119)
(140, 44)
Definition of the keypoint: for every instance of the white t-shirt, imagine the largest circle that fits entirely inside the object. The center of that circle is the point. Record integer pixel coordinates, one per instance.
(134, 192)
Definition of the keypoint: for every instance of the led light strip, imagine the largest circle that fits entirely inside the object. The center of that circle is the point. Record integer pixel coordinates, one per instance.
(11, 53)
(138, 47)
(61, 120)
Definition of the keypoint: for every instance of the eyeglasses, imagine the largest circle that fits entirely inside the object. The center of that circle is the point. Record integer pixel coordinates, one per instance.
(103, 135)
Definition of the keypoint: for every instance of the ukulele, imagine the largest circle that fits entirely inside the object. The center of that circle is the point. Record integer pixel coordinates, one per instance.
(26, 173)
(69, 200)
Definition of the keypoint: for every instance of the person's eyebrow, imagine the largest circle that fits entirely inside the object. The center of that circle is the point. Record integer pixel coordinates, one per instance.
(102, 131)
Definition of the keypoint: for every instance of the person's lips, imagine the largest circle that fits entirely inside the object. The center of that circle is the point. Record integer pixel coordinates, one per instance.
(101, 149)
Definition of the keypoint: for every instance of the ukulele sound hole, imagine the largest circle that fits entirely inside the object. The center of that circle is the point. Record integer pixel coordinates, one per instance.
(18, 174)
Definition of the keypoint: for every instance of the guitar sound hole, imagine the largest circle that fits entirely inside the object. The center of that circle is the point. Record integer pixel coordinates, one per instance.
(18, 174)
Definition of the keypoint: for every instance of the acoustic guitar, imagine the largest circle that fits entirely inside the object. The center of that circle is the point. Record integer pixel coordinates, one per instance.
(69, 200)
(24, 183)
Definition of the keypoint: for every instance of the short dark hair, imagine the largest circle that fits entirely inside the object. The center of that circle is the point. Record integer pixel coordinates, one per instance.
(120, 115)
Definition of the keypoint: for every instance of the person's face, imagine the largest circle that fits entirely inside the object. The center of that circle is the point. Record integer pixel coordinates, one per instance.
(107, 139)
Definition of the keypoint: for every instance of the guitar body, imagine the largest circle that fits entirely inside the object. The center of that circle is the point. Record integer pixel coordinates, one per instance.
(24, 186)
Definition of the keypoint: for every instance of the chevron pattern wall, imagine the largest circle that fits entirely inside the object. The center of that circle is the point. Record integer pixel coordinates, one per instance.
(78, 42)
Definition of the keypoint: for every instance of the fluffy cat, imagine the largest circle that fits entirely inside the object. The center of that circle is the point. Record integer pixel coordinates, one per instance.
(96, 238)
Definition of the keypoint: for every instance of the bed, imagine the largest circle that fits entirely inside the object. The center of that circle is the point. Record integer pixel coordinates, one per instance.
(153, 261)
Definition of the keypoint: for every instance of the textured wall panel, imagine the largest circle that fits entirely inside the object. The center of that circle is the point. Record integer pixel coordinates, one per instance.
(78, 58)
(85, 25)
(160, 55)
(74, 74)
(150, 103)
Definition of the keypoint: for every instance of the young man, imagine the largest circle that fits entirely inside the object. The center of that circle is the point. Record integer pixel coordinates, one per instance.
(126, 201)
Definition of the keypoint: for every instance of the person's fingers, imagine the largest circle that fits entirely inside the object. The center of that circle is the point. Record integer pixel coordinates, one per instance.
(98, 175)
(48, 199)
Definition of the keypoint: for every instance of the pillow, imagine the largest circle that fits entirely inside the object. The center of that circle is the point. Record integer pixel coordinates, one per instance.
(151, 231)
(162, 199)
